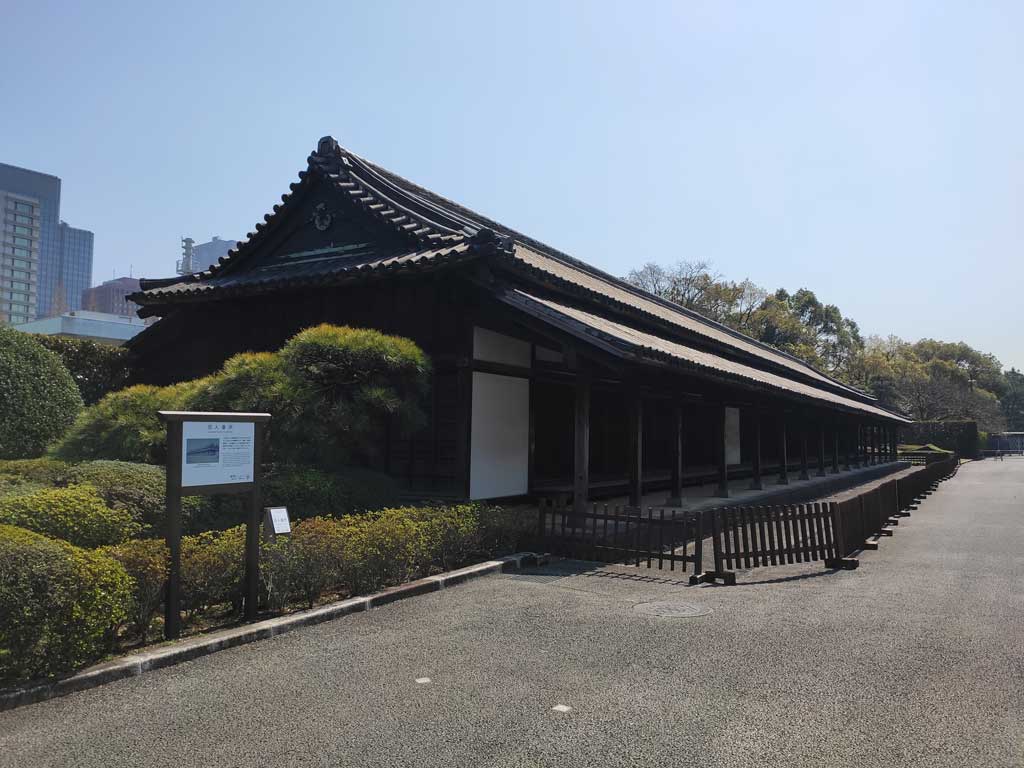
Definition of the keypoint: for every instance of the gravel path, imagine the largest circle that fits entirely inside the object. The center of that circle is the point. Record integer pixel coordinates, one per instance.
(916, 658)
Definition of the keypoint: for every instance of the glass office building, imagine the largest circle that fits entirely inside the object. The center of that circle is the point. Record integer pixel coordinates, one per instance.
(20, 243)
(74, 271)
(59, 256)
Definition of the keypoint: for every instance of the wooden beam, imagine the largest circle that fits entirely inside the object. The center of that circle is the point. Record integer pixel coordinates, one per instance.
(756, 484)
(676, 457)
(783, 452)
(835, 448)
(720, 453)
(581, 445)
(636, 448)
(821, 449)
(804, 474)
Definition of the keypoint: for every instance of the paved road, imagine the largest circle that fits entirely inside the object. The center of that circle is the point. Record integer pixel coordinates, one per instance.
(917, 658)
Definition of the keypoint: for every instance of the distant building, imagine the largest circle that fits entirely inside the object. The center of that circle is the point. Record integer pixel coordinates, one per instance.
(74, 271)
(196, 258)
(61, 255)
(110, 296)
(102, 327)
(20, 243)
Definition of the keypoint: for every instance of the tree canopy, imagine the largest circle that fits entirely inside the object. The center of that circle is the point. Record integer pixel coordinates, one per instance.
(928, 379)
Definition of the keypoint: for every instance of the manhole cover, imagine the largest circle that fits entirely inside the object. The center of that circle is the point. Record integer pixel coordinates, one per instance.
(670, 609)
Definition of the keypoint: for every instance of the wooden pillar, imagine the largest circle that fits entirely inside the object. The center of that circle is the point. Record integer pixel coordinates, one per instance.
(172, 534)
(873, 440)
(636, 448)
(895, 443)
(863, 449)
(676, 457)
(756, 483)
(720, 455)
(252, 529)
(804, 474)
(783, 456)
(821, 450)
(581, 445)
(846, 448)
(835, 448)
(464, 408)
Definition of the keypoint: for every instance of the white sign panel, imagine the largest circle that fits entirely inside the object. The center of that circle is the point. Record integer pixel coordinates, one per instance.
(277, 520)
(217, 452)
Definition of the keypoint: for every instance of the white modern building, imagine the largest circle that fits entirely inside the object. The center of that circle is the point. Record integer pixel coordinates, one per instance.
(100, 327)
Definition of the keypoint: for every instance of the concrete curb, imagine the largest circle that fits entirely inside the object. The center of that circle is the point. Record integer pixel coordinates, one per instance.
(193, 648)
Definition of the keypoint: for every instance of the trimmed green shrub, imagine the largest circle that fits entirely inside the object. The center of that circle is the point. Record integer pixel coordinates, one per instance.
(959, 436)
(11, 485)
(250, 381)
(96, 368)
(381, 549)
(449, 534)
(346, 384)
(331, 390)
(317, 547)
(136, 488)
(307, 492)
(212, 565)
(76, 514)
(146, 562)
(124, 425)
(38, 398)
(42, 470)
(61, 605)
(504, 531)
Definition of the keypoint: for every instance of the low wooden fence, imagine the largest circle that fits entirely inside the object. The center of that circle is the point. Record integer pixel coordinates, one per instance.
(663, 539)
(741, 537)
(754, 537)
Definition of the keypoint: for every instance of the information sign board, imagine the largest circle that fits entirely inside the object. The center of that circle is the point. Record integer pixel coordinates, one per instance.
(217, 452)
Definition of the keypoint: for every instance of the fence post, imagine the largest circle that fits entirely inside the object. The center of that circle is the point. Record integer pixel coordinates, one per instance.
(840, 549)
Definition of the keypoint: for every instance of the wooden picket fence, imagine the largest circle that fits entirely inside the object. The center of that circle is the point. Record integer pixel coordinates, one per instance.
(664, 538)
(755, 537)
(742, 537)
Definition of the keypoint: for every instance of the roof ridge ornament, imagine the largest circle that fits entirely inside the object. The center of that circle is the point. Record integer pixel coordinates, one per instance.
(327, 145)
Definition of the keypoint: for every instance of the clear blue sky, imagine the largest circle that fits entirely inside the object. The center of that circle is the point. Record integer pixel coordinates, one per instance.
(872, 153)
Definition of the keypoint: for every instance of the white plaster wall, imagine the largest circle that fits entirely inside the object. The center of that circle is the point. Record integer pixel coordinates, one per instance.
(499, 436)
(732, 435)
(498, 348)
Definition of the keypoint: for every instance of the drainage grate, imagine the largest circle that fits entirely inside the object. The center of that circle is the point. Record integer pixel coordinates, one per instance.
(535, 577)
(671, 609)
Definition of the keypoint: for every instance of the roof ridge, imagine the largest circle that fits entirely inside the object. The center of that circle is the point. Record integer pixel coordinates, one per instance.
(556, 254)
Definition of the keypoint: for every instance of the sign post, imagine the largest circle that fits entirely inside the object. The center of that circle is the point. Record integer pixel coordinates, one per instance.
(208, 454)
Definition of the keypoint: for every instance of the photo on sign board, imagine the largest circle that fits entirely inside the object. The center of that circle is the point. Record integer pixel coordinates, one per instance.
(202, 450)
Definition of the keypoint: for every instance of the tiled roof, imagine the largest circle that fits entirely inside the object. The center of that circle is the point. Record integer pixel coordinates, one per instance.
(440, 231)
(632, 342)
(313, 268)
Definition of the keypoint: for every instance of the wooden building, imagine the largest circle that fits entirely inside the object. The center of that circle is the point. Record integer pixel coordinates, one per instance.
(550, 376)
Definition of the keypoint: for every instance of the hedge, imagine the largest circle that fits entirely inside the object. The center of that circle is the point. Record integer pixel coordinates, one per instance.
(124, 425)
(138, 489)
(959, 436)
(146, 562)
(332, 391)
(38, 398)
(347, 555)
(42, 470)
(66, 603)
(307, 492)
(212, 566)
(96, 368)
(77, 514)
(61, 605)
